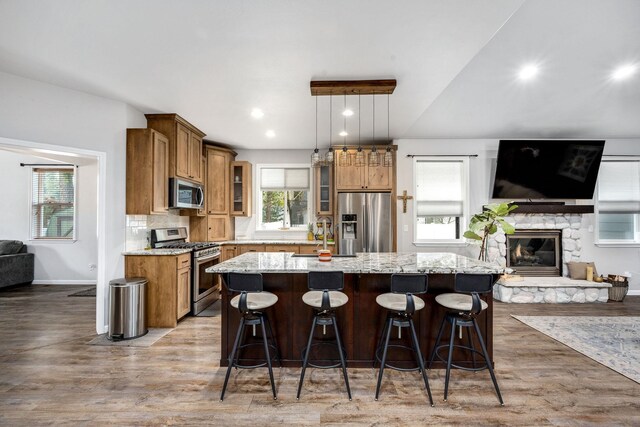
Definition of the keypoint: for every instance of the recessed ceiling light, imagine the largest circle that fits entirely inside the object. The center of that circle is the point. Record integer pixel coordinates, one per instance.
(257, 113)
(343, 133)
(347, 113)
(528, 72)
(624, 72)
(270, 134)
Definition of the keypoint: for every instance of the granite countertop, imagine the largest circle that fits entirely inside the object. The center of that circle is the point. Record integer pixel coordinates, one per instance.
(157, 252)
(363, 263)
(275, 242)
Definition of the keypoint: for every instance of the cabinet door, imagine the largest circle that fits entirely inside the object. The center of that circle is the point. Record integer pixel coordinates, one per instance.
(183, 151)
(378, 178)
(160, 179)
(217, 182)
(324, 191)
(195, 155)
(349, 177)
(240, 188)
(228, 252)
(184, 292)
(282, 248)
(218, 228)
(309, 249)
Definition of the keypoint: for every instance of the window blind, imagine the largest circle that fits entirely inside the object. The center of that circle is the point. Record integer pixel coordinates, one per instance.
(53, 203)
(284, 179)
(619, 187)
(439, 188)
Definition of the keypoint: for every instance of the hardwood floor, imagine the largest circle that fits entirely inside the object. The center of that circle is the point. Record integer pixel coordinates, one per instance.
(49, 375)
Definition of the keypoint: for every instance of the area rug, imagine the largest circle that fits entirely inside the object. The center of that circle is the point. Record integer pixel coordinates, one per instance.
(613, 341)
(147, 340)
(91, 292)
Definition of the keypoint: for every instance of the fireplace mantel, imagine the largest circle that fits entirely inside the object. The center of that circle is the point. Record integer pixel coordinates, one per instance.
(551, 208)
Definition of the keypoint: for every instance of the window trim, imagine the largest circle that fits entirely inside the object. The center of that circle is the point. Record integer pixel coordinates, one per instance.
(611, 243)
(462, 241)
(74, 237)
(258, 195)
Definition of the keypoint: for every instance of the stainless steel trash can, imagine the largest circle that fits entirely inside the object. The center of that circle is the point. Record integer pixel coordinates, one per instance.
(127, 308)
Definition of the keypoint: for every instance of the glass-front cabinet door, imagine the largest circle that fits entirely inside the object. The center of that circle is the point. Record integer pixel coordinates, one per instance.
(324, 191)
(240, 188)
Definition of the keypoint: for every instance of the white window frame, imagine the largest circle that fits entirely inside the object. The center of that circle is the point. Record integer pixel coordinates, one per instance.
(71, 239)
(614, 243)
(465, 203)
(258, 195)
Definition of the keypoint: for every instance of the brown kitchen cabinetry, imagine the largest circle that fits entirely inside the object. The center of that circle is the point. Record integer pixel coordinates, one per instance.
(168, 292)
(227, 252)
(185, 145)
(219, 228)
(366, 177)
(282, 248)
(147, 172)
(250, 248)
(324, 190)
(240, 188)
(310, 249)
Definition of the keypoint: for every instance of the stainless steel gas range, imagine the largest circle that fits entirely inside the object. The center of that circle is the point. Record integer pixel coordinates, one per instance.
(205, 287)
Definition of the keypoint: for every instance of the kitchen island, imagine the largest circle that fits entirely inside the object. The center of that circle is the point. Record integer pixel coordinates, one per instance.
(361, 320)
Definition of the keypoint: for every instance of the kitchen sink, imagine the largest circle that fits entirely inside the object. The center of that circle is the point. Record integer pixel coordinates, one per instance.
(316, 256)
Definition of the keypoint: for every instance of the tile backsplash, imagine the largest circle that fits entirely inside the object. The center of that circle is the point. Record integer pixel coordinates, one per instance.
(138, 228)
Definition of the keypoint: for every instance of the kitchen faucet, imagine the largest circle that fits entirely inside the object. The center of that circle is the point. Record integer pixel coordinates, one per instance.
(324, 234)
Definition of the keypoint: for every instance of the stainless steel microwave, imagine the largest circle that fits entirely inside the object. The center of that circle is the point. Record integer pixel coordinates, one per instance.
(185, 194)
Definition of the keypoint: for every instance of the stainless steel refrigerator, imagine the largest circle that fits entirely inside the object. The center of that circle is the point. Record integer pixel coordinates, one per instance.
(364, 222)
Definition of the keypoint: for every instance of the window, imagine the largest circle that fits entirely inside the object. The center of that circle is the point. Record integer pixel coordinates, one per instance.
(53, 207)
(618, 202)
(283, 198)
(441, 194)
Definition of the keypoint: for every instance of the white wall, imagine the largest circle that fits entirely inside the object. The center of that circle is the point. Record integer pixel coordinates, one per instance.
(55, 262)
(43, 113)
(608, 260)
(245, 228)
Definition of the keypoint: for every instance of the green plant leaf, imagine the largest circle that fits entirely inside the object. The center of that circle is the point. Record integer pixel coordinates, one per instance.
(471, 235)
(506, 227)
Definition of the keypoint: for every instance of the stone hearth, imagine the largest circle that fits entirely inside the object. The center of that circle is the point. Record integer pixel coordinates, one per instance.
(550, 290)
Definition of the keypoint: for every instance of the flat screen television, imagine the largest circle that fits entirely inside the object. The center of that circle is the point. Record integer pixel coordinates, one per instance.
(547, 169)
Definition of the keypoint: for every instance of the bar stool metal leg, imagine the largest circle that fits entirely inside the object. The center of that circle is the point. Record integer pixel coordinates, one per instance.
(232, 357)
(437, 343)
(486, 357)
(449, 358)
(384, 356)
(342, 362)
(418, 354)
(268, 357)
(381, 339)
(275, 342)
(473, 348)
(306, 356)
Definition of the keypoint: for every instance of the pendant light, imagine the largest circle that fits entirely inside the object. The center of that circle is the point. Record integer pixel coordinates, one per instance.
(315, 157)
(359, 161)
(387, 160)
(328, 158)
(374, 158)
(345, 158)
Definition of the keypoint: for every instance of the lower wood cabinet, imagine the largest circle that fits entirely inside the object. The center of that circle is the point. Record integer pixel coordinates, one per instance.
(309, 249)
(168, 290)
(250, 248)
(228, 252)
(282, 248)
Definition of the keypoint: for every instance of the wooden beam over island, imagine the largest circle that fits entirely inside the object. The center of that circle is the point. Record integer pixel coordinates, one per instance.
(361, 320)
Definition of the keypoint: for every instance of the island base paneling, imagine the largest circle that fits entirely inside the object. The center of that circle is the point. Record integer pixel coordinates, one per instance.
(360, 322)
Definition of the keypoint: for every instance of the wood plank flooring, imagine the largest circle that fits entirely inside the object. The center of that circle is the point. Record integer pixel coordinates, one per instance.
(49, 375)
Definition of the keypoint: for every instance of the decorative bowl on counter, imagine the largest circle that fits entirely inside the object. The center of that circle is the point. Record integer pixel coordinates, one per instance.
(324, 255)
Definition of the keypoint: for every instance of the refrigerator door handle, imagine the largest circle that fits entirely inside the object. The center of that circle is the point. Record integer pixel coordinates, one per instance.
(365, 225)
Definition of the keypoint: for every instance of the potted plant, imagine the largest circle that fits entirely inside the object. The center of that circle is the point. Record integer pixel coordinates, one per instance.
(488, 222)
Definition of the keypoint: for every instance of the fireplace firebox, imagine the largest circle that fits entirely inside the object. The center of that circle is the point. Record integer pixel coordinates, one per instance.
(535, 252)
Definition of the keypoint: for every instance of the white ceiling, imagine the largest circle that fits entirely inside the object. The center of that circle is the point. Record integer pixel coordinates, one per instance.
(455, 62)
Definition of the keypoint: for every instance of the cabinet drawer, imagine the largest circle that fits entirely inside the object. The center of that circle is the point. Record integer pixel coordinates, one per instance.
(184, 261)
(282, 248)
(309, 249)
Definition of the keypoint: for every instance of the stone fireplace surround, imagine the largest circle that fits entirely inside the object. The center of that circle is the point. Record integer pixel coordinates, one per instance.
(546, 289)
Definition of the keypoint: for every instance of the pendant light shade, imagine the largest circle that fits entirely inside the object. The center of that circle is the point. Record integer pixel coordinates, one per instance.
(359, 160)
(374, 157)
(345, 157)
(315, 158)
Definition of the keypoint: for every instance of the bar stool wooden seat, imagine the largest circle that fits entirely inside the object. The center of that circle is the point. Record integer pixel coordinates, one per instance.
(463, 308)
(251, 302)
(324, 296)
(401, 304)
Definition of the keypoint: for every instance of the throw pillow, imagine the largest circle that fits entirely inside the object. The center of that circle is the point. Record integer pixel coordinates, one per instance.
(9, 247)
(578, 270)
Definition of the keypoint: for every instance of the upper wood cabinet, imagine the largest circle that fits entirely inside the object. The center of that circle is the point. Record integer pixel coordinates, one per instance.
(217, 183)
(185, 144)
(147, 172)
(364, 177)
(241, 188)
(324, 190)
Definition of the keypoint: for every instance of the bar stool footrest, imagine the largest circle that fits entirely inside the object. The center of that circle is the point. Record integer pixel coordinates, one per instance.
(314, 365)
(260, 365)
(397, 368)
(480, 367)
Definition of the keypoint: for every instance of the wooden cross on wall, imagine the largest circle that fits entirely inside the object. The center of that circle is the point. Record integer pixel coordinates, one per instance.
(404, 199)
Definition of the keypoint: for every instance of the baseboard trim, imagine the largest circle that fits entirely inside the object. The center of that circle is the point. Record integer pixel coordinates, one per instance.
(64, 282)
(634, 292)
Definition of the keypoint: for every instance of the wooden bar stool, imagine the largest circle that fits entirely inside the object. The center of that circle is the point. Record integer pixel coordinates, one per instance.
(401, 304)
(324, 296)
(464, 306)
(251, 303)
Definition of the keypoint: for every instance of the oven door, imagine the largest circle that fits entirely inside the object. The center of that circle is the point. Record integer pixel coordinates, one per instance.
(205, 286)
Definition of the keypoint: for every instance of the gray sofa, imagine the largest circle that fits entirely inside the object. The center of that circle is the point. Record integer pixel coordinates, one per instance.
(16, 265)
